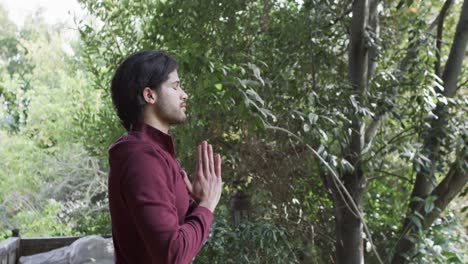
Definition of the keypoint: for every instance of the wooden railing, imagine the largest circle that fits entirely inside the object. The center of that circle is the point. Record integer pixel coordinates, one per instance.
(15, 247)
(9, 250)
(31, 245)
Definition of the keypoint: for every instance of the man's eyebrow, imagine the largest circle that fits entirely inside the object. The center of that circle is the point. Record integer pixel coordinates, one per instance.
(176, 81)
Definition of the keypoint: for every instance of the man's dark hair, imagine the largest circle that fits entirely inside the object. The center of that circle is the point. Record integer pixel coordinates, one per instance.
(149, 68)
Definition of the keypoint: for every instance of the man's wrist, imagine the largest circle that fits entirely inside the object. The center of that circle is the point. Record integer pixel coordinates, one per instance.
(207, 205)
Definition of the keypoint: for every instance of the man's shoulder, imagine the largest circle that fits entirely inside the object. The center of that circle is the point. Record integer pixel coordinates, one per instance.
(133, 146)
(129, 142)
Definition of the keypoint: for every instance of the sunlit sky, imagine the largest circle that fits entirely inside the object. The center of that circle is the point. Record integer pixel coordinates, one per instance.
(54, 11)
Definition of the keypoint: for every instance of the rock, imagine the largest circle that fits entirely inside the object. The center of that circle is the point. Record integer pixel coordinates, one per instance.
(56, 256)
(92, 249)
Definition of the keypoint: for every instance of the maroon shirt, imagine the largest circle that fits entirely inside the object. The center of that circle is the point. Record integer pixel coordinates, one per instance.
(153, 218)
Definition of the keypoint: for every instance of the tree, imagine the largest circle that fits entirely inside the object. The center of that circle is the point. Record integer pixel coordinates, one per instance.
(348, 185)
(348, 213)
(436, 137)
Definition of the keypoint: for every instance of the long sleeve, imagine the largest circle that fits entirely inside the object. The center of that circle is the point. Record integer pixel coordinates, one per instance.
(149, 190)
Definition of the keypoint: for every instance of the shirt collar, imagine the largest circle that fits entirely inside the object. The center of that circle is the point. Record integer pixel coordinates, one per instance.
(158, 137)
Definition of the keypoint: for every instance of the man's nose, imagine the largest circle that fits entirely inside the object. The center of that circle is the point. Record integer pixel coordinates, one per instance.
(184, 95)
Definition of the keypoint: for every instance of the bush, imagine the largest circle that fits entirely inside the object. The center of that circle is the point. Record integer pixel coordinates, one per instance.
(256, 241)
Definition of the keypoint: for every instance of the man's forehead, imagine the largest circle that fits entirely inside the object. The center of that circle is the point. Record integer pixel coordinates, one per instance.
(173, 76)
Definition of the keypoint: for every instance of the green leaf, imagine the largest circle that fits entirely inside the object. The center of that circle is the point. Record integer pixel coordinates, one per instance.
(347, 167)
(219, 86)
(429, 203)
(416, 221)
(313, 118)
(417, 199)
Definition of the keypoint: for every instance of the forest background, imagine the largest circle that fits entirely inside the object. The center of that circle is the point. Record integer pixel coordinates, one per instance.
(342, 124)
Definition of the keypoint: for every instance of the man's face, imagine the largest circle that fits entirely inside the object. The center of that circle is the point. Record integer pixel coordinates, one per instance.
(171, 103)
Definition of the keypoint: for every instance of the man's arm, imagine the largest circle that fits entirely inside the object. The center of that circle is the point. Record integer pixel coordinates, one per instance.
(152, 205)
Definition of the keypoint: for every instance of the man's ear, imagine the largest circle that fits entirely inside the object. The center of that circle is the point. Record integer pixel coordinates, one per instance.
(149, 95)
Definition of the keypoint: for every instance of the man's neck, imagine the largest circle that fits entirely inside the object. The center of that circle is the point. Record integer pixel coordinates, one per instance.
(156, 123)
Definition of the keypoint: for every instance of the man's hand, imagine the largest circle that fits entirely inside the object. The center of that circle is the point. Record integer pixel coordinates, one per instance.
(207, 185)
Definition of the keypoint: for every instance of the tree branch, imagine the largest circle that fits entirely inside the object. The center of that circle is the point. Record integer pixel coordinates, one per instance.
(410, 55)
(448, 188)
(440, 28)
(436, 20)
(372, 129)
(445, 192)
(389, 174)
(463, 84)
(457, 54)
(374, 31)
(423, 185)
(338, 18)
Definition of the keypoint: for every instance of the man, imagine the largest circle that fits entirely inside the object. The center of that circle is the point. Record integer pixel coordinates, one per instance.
(154, 218)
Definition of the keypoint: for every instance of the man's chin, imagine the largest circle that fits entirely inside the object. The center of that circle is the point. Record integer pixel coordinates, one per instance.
(178, 120)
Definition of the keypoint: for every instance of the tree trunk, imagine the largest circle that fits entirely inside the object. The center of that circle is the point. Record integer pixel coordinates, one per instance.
(349, 229)
(449, 188)
(349, 226)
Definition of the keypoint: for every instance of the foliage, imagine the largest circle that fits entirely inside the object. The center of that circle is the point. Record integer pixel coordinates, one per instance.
(47, 175)
(44, 222)
(57, 186)
(444, 243)
(255, 241)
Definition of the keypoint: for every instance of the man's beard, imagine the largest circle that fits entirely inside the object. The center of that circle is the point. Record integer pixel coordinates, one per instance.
(170, 116)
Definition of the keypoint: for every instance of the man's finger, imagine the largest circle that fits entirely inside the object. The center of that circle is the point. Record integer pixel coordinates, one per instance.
(187, 181)
(210, 156)
(218, 165)
(206, 168)
(199, 169)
